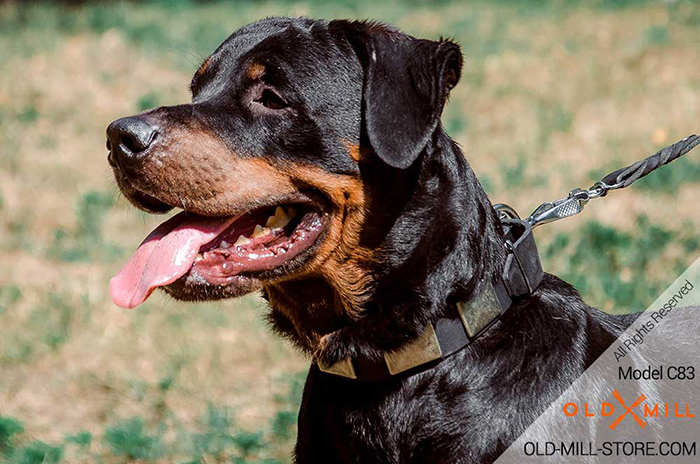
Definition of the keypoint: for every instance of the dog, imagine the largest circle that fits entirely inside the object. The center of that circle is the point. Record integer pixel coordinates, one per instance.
(311, 166)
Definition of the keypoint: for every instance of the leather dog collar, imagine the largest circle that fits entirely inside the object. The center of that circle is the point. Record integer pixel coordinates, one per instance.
(521, 276)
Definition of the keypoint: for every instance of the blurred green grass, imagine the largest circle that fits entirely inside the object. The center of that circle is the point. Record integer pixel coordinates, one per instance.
(554, 95)
(215, 438)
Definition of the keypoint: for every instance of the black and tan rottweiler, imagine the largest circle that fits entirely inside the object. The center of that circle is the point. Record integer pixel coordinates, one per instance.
(311, 166)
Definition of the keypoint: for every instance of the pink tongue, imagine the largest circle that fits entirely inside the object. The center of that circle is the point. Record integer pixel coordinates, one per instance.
(166, 255)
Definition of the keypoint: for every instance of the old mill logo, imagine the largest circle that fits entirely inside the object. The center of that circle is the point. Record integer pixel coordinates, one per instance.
(633, 411)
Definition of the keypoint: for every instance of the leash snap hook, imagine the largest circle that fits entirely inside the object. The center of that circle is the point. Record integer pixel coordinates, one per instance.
(581, 195)
(549, 212)
(600, 189)
(621, 178)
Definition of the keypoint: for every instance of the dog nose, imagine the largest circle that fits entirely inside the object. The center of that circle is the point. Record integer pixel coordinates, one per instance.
(127, 138)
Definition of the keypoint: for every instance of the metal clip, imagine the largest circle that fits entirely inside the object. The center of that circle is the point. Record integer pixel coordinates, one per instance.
(566, 207)
(563, 208)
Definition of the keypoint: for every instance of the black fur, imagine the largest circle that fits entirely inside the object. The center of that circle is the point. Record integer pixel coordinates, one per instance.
(437, 238)
(470, 406)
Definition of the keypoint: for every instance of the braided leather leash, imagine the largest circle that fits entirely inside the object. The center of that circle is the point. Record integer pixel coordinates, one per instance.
(621, 178)
(522, 274)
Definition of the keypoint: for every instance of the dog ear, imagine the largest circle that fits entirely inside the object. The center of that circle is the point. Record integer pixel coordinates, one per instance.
(407, 82)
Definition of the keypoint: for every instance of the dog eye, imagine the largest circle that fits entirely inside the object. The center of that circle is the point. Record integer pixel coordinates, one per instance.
(269, 99)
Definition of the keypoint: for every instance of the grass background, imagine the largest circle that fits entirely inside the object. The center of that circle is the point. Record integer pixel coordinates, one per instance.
(554, 95)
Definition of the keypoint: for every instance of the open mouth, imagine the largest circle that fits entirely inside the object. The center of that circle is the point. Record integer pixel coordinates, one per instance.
(218, 251)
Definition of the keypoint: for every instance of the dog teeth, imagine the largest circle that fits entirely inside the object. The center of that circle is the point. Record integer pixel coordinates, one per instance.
(198, 258)
(280, 219)
(224, 244)
(242, 240)
(260, 231)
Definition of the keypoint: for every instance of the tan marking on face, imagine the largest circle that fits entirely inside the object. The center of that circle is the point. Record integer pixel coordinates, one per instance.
(256, 71)
(203, 68)
(353, 151)
(356, 152)
(194, 170)
(342, 262)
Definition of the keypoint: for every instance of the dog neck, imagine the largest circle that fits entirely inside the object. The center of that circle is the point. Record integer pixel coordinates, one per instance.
(436, 240)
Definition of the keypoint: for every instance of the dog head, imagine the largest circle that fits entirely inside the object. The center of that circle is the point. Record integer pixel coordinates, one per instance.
(291, 162)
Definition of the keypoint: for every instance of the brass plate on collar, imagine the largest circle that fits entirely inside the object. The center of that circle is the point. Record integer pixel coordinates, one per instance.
(478, 312)
(343, 368)
(425, 349)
